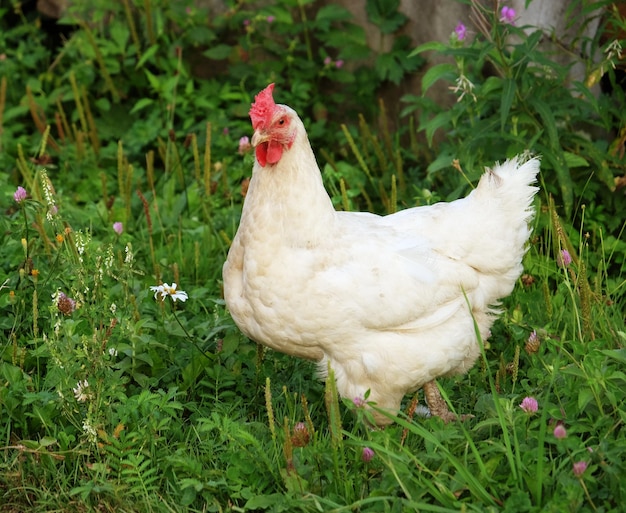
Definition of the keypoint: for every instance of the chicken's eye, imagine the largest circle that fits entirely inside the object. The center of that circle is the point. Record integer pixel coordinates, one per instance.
(281, 121)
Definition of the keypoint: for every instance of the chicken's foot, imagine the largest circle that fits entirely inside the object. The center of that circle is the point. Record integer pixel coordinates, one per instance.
(437, 405)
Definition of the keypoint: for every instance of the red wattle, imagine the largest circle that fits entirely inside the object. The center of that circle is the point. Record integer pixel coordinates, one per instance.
(269, 152)
(261, 154)
(274, 152)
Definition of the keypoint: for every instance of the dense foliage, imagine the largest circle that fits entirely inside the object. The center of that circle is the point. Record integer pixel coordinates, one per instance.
(122, 167)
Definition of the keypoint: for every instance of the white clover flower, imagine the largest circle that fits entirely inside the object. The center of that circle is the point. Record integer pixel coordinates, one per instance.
(113, 308)
(167, 290)
(112, 351)
(81, 391)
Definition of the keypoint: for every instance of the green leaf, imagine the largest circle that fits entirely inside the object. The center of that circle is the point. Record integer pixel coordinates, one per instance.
(437, 72)
(120, 34)
(281, 13)
(508, 94)
(426, 47)
(585, 396)
(606, 175)
(573, 160)
(549, 124)
(351, 42)
(218, 52)
(490, 85)
(265, 501)
(564, 178)
(443, 161)
(385, 14)
(47, 440)
(618, 355)
(147, 55)
(155, 83)
(331, 13)
(141, 104)
(440, 120)
(388, 68)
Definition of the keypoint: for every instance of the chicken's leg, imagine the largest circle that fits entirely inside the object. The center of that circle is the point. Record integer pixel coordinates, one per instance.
(435, 402)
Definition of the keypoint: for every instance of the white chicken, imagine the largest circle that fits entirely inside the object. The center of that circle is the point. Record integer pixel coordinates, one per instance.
(382, 299)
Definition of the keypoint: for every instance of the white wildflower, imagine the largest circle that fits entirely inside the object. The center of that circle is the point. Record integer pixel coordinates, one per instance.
(613, 51)
(109, 259)
(99, 267)
(463, 86)
(112, 351)
(128, 259)
(81, 240)
(167, 290)
(48, 193)
(90, 431)
(113, 308)
(81, 391)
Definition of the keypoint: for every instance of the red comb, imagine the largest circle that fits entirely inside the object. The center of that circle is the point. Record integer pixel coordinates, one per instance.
(263, 107)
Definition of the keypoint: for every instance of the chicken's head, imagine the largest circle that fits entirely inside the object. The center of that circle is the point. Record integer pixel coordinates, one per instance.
(273, 126)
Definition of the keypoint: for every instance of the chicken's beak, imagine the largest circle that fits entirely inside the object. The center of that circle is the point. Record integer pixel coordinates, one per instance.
(259, 136)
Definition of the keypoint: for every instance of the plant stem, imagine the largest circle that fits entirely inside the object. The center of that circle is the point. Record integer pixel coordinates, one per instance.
(187, 334)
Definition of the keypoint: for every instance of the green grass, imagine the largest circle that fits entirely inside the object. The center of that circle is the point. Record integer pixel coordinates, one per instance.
(122, 402)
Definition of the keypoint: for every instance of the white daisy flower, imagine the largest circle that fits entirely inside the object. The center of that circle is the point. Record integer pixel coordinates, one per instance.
(167, 290)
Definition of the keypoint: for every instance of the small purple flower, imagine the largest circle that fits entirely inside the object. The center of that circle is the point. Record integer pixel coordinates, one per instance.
(246, 23)
(20, 194)
(564, 259)
(118, 228)
(507, 15)
(367, 455)
(560, 432)
(358, 401)
(460, 31)
(327, 61)
(529, 405)
(244, 145)
(270, 19)
(579, 468)
(338, 64)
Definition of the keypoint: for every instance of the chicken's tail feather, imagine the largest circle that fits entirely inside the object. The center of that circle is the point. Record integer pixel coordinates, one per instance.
(512, 182)
(502, 206)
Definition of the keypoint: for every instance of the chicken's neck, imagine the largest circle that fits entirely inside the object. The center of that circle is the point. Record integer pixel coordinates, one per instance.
(289, 198)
